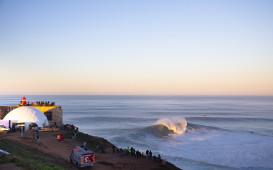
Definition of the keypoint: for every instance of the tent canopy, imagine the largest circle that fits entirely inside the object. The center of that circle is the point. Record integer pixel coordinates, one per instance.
(27, 115)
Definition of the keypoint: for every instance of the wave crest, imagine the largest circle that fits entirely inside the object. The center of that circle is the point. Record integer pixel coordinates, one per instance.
(166, 126)
(177, 125)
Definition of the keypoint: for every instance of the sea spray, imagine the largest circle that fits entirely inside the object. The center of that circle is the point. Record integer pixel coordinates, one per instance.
(177, 125)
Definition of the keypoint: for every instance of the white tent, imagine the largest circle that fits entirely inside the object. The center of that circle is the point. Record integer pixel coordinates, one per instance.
(27, 115)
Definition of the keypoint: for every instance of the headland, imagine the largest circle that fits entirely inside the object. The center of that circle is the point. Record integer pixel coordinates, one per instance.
(26, 153)
(36, 147)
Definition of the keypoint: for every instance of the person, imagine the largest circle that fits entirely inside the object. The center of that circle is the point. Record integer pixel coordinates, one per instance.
(150, 154)
(74, 135)
(127, 150)
(132, 151)
(113, 148)
(159, 158)
(138, 154)
(36, 129)
(38, 138)
(62, 138)
(147, 153)
(59, 138)
(154, 158)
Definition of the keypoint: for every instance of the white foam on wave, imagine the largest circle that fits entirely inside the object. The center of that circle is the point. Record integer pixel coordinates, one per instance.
(177, 125)
(223, 148)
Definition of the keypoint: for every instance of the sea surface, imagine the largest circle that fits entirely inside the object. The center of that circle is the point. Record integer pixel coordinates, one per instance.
(192, 132)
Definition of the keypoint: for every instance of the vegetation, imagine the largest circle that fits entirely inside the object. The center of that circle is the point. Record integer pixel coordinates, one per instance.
(28, 157)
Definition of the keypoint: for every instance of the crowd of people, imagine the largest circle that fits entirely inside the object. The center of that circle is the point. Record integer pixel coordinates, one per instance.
(68, 127)
(38, 103)
(46, 103)
(121, 151)
(71, 127)
(138, 154)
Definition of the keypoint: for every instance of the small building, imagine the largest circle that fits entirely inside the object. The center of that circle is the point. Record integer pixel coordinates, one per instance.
(54, 114)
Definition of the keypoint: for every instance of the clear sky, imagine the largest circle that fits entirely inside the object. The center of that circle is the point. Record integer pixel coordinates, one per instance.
(136, 47)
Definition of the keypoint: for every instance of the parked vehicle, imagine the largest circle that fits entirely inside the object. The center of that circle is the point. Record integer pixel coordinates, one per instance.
(3, 129)
(82, 157)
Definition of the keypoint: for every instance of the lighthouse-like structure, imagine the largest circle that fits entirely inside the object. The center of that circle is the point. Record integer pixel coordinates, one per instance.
(24, 102)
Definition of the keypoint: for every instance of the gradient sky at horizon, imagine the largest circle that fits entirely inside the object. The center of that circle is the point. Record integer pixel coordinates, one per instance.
(136, 47)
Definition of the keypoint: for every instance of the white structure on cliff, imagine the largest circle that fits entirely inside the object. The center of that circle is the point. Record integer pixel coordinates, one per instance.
(27, 115)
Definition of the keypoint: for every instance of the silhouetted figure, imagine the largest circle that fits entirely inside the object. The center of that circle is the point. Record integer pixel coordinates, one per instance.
(154, 158)
(113, 148)
(38, 138)
(132, 151)
(159, 158)
(138, 154)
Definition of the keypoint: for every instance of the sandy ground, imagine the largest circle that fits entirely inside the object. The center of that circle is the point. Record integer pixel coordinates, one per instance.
(50, 145)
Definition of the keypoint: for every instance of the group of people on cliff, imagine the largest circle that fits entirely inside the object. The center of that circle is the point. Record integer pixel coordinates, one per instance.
(38, 103)
(71, 127)
(138, 154)
(46, 103)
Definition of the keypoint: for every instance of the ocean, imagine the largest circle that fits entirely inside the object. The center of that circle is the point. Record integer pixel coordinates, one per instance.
(192, 132)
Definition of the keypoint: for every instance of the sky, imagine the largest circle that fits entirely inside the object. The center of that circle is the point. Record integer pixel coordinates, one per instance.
(138, 47)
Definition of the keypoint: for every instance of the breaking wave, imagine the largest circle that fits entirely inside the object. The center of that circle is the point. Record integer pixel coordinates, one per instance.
(167, 126)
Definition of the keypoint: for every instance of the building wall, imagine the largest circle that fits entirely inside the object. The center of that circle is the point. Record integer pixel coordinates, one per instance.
(57, 117)
(56, 111)
(4, 110)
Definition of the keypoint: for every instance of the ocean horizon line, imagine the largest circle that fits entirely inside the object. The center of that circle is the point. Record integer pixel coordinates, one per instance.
(166, 95)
